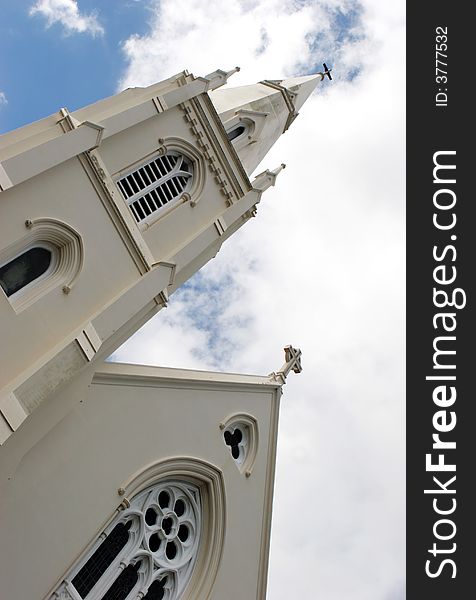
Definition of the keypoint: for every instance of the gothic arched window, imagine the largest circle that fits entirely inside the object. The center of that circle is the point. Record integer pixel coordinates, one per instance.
(240, 434)
(240, 131)
(156, 183)
(30, 265)
(50, 255)
(149, 548)
(236, 132)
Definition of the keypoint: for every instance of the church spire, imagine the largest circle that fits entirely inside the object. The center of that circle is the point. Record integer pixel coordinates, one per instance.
(256, 115)
(301, 88)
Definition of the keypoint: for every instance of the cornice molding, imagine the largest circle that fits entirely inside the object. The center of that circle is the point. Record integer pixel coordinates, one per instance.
(147, 376)
(49, 154)
(203, 120)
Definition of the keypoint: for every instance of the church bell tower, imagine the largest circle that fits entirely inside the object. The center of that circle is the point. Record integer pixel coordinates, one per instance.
(105, 212)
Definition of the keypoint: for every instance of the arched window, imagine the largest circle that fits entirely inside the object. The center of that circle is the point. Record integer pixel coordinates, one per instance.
(35, 262)
(240, 131)
(49, 256)
(236, 132)
(156, 184)
(240, 434)
(150, 547)
(96, 566)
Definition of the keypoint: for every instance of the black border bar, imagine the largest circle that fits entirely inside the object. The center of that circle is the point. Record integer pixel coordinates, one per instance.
(441, 240)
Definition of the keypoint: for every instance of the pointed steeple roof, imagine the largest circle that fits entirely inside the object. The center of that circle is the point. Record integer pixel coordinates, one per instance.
(302, 87)
(261, 113)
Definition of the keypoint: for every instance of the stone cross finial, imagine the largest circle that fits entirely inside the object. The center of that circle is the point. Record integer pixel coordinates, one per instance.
(292, 357)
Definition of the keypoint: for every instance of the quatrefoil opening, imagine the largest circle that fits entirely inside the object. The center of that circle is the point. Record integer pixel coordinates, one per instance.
(233, 440)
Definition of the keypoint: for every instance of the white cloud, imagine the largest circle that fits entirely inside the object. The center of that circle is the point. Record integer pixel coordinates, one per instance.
(265, 37)
(66, 12)
(321, 267)
(3, 98)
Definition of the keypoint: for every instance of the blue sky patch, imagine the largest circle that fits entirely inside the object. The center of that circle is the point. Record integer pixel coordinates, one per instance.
(43, 68)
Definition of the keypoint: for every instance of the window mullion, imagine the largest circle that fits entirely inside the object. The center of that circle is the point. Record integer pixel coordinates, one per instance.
(155, 184)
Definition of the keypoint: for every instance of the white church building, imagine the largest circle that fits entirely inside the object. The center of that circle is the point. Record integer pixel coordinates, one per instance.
(119, 481)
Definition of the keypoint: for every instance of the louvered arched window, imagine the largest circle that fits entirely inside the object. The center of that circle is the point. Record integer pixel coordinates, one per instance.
(156, 184)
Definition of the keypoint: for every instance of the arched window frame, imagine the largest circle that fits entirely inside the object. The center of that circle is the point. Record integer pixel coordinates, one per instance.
(192, 191)
(154, 564)
(245, 136)
(67, 249)
(208, 482)
(255, 122)
(122, 559)
(248, 447)
(160, 177)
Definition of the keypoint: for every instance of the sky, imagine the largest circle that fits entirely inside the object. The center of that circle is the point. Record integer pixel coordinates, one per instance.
(321, 267)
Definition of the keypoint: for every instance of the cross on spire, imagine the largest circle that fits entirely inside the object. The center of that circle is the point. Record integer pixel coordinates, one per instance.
(292, 356)
(326, 71)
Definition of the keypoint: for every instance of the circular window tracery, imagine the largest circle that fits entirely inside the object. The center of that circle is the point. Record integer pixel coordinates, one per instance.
(150, 547)
(204, 483)
(172, 520)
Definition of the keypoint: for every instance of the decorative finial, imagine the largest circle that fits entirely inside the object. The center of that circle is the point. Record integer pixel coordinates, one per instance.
(292, 356)
(232, 72)
(268, 178)
(219, 77)
(278, 170)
